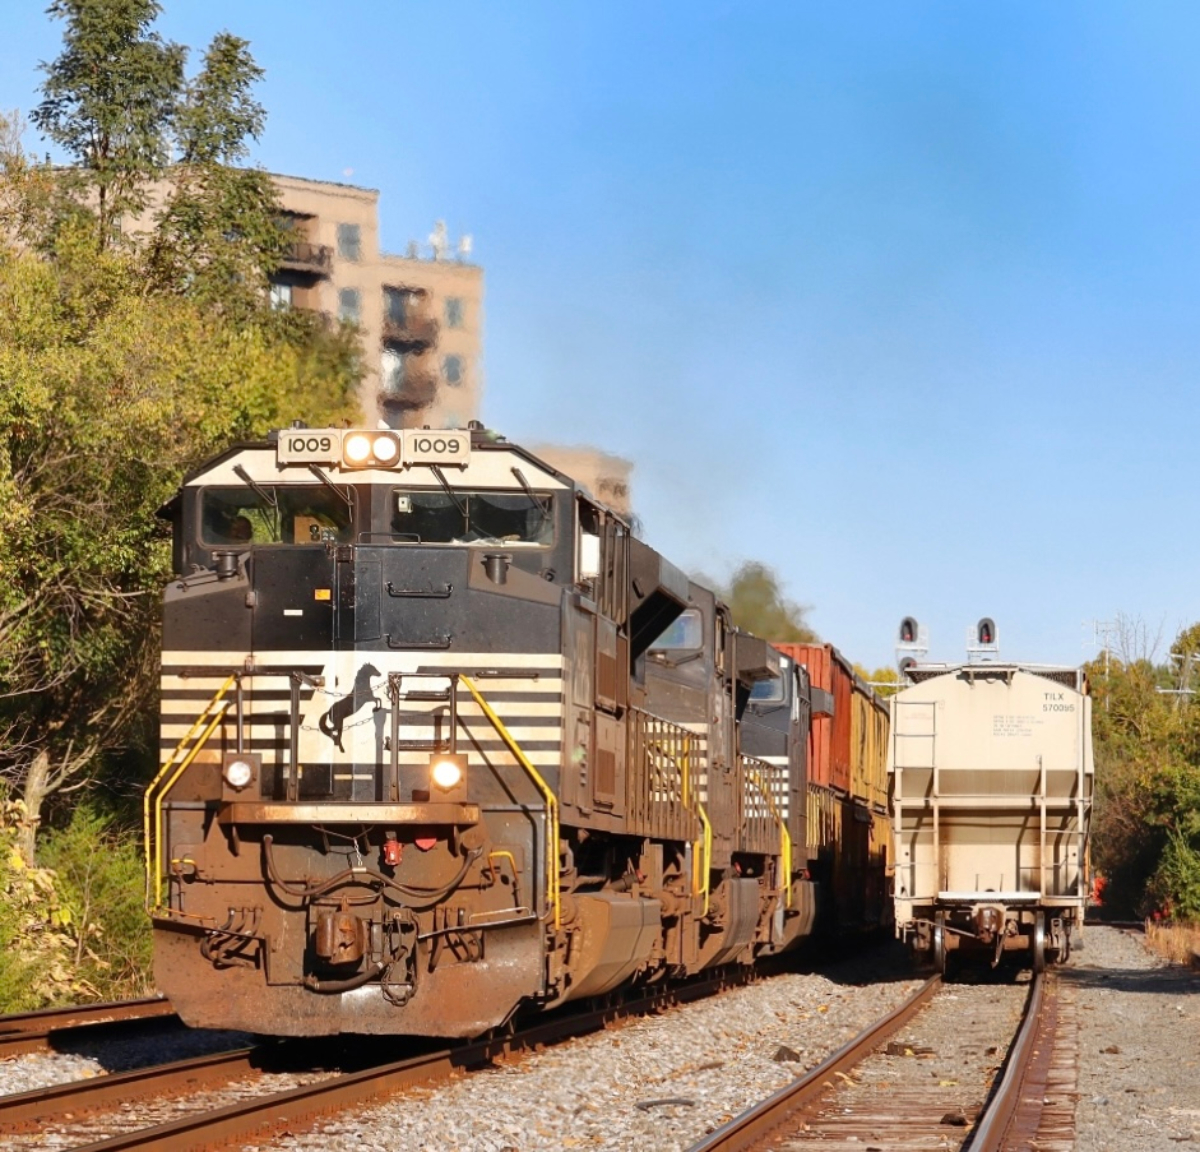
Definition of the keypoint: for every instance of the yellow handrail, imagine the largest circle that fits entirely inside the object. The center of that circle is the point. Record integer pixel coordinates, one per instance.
(153, 798)
(552, 878)
(701, 881)
(785, 846)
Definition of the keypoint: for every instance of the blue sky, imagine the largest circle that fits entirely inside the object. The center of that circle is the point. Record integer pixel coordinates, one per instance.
(900, 299)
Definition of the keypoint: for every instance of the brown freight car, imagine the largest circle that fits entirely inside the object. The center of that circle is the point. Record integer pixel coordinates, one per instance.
(848, 804)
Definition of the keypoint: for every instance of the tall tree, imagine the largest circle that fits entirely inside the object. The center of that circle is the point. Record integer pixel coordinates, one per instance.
(110, 100)
(218, 236)
(110, 394)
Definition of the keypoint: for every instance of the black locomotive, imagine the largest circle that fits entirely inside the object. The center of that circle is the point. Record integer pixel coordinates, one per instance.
(442, 738)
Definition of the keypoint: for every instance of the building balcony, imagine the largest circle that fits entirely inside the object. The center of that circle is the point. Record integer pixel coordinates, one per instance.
(412, 331)
(416, 391)
(313, 259)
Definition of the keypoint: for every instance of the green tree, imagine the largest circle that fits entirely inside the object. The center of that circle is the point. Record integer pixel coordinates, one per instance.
(123, 365)
(1146, 732)
(110, 395)
(217, 236)
(142, 134)
(759, 605)
(110, 101)
(884, 681)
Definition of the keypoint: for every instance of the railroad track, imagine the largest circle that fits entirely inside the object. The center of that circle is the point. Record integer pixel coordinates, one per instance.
(256, 1118)
(68, 1107)
(38, 1031)
(861, 1095)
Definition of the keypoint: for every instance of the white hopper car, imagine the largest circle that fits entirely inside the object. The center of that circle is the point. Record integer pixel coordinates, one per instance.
(990, 767)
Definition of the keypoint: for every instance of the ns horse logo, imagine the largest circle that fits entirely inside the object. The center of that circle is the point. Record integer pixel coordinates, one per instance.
(333, 721)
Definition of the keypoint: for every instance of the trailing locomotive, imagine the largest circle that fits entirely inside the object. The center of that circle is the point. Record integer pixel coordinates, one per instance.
(442, 739)
(991, 769)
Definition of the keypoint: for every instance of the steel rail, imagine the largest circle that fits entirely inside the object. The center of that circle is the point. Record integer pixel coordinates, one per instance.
(29, 1110)
(256, 1118)
(1016, 1099)
(36, 1031)
(744, 1130)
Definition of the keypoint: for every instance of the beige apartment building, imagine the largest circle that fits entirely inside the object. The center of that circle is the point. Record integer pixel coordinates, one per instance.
(421, 316)
(421, 320)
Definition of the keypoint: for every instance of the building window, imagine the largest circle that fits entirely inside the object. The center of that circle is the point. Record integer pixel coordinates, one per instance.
(452, 370)
(348, 304)
(395, 306)
(349, 242)
(392, 365)
(454, 312)
(281, 297)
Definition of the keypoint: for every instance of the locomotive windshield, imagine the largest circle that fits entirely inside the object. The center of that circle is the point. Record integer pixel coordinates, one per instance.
(274, 514)
(462, 517)
(685, 633)
(772, 691)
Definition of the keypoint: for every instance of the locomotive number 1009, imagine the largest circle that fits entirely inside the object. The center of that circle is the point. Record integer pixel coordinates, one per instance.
(310, 447)
(422, 446)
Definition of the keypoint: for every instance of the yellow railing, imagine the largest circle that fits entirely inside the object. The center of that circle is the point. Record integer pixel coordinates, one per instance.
(552, 878)
(702, 866)
(657, 781)
(152, 802)
(785, 839)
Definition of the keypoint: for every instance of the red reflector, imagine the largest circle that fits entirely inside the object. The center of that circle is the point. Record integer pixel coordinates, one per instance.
(426, 842)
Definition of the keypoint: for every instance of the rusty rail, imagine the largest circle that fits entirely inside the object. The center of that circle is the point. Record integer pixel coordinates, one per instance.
(28, 1111)
(37, 1031)
(742, 1132)
(1014, 1110)
(1015, 1106)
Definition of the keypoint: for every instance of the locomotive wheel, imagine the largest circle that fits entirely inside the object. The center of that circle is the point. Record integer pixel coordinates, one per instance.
(1039, 942)
(939, 944)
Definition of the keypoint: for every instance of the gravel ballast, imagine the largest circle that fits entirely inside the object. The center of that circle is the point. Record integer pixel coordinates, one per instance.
(96, 1056)
(1139, 1047)
(656, 1083)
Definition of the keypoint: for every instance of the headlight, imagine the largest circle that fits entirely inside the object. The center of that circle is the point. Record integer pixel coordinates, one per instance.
(238, 773)
(446, 774)
(357, 448)
(386, 449)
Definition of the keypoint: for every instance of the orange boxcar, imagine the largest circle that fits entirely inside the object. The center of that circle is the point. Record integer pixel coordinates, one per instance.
(831, 739)
(847, 773)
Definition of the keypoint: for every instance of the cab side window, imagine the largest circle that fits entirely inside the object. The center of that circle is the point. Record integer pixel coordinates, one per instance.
(601, 558)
